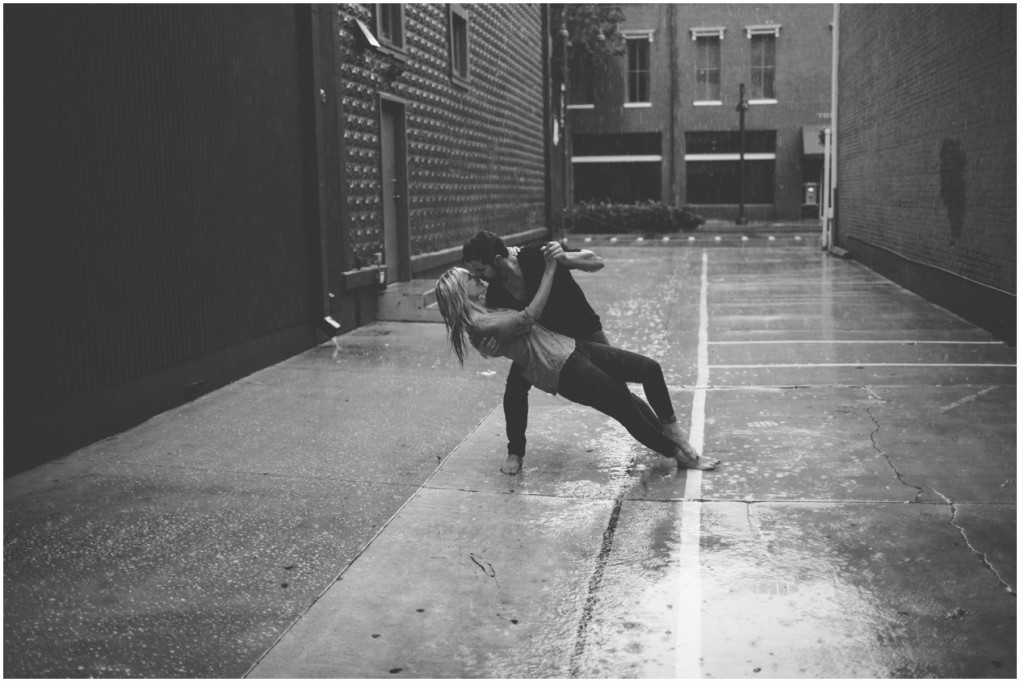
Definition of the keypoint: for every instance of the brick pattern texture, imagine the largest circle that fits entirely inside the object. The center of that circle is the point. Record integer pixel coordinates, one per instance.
(927, 135)
(475, 154)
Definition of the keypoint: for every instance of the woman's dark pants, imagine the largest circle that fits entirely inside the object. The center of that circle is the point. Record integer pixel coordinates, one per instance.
(597, 376)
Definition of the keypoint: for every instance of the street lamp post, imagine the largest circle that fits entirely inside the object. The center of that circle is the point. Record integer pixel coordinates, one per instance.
(742, 108)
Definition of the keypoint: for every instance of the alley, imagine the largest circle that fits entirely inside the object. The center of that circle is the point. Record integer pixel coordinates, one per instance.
(342, 514)
(862, 523)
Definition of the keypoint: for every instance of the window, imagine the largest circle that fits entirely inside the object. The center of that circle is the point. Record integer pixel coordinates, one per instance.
(389, 20)
(707, 69)
(712, 162)
(638, 68)
(459, 45)
(763, 62)
(620, 168)
(581, 85)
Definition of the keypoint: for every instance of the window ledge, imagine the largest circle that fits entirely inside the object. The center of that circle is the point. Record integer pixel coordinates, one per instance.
(580, 106)
(637, 105)
(748, 156)
(708, 103)
(763, 101)
(395, 52)
(460, 81)
(622, 158)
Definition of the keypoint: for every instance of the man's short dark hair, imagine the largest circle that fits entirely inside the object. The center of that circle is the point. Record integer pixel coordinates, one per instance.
(484, 247)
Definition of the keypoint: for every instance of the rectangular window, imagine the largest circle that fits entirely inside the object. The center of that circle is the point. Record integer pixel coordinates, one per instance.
(718, 182)
(389, 19)
(707, 69)
(580, 88)
(460, 67)
(763, 66)
(638, 70)
(712, 163)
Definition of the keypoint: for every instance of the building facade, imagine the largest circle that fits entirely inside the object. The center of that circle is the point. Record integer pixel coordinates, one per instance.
(660, 121)
(926, 152)
(195, 192)
(444, 109)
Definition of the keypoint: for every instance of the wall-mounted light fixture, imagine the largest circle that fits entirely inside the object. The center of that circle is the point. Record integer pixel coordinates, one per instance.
(365, 35)
(329, 326)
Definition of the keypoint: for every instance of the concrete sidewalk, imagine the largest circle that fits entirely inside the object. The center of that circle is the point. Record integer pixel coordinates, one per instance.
(342, 515)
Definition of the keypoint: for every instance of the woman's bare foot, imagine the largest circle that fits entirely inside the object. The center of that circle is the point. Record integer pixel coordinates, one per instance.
(512, 465)
(695, 461)
(688, 456)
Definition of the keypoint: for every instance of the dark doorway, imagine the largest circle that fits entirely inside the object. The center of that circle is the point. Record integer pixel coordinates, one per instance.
(394, 190)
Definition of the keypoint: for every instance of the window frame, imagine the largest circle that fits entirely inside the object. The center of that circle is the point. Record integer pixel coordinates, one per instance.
(769, 33)
(647, 37)
(457, 15)
(581, 80)
(387, 44)
(703, 36)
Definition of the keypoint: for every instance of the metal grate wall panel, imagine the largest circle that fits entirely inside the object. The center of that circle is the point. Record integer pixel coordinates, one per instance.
(476, 154)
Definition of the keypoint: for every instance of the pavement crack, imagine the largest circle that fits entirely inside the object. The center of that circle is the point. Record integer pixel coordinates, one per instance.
(888, 459)
(594, 587)
(486, 567)
(981, 555)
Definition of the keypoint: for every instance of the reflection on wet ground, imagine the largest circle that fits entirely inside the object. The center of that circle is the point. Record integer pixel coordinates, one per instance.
(862, 522)
(837, 539)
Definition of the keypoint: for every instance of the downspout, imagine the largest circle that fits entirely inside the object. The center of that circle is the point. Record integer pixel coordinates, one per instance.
(324, 97)
(550, 185)
(673, 104)
(564, 161)
(834, 123)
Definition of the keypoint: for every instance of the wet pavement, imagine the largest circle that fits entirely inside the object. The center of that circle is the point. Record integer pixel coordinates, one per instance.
(342, 514)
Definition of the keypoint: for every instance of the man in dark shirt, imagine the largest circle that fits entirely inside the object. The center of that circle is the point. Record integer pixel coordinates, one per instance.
(513, 279)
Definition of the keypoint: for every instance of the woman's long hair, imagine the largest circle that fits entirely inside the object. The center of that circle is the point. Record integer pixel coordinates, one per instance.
(454, 306)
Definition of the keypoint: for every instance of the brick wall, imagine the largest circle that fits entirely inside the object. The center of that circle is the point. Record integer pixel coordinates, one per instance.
(476, 155)
(927, 137)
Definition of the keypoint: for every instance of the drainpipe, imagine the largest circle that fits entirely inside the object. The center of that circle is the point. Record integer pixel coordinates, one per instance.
(564, 161)
(673, 105)
(824, 209)
(833, 123)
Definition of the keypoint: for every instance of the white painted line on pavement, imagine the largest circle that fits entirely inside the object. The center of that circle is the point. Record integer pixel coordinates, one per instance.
(866, 364)
(787, 342)
(969, 398)
(688, 628)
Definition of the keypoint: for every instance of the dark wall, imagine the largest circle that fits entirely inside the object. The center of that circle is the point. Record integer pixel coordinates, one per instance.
(926, 136)
(157, 230)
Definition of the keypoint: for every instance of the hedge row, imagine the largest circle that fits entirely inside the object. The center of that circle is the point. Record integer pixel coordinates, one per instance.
(650, 218)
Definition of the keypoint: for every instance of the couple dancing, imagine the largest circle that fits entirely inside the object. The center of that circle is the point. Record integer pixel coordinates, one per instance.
(524, 305)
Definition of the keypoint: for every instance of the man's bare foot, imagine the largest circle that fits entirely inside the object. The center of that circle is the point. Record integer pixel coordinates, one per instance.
(512, 465)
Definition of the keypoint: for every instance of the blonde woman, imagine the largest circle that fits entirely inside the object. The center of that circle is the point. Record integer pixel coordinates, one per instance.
(583, 372)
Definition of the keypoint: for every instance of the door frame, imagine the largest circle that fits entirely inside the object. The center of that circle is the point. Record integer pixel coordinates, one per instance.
(399, 106)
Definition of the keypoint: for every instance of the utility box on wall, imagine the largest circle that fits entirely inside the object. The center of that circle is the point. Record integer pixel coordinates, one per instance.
(810, 193)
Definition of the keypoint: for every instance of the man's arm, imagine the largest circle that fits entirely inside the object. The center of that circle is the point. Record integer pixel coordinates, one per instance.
(581, 259)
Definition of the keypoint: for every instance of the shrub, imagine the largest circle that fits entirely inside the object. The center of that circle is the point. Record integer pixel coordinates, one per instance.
(648, 218)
